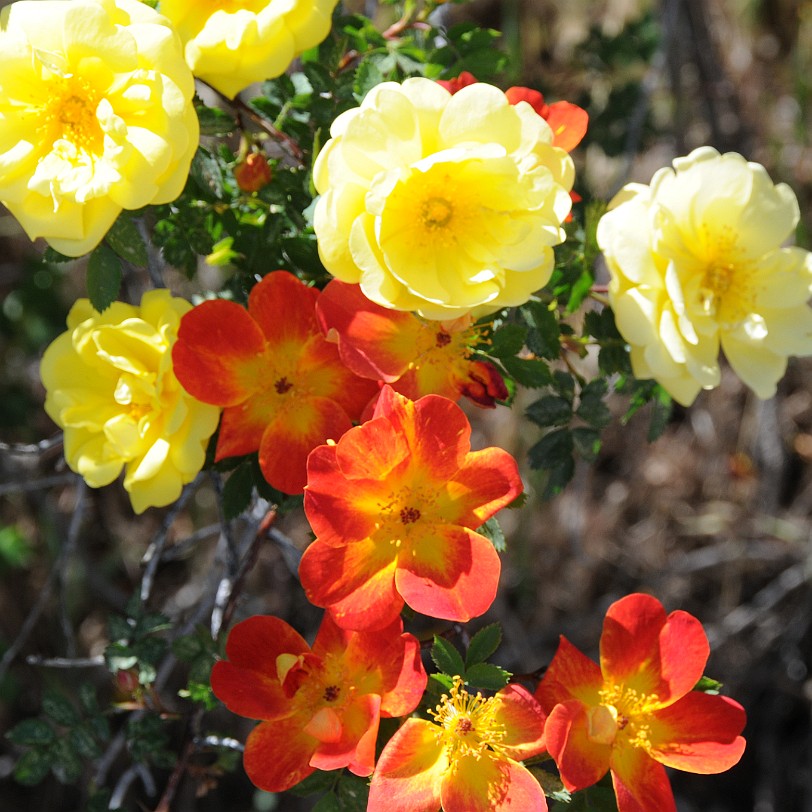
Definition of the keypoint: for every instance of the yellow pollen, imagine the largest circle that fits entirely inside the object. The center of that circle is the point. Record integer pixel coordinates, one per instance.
(436, 212)
(70, 114)
(467, 722)
(715, 284)
(624, 712)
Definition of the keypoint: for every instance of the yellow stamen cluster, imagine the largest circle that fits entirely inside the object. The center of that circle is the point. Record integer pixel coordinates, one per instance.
(467, 721)
(70, 114)
(623, 712)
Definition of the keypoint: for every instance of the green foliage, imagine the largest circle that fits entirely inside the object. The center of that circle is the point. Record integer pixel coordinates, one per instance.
(104, 276)
(62, 740)
(473, 670)
(133, 643)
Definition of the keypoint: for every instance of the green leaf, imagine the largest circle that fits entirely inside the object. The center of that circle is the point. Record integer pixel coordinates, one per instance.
(237, 492)
(708, 686)
(532, 373)
(564, 384)
(126, 240)
(492, 531)
(214, 121)
(103, 277)
(587, 442)
(550, 410)
(483, 644)
(66, 766)
(487, 676)
(552, 450)
(447, 658)
(353, 793)
(186, 648)
(508, 340)
(543, 339)
(31, 732)
(88, 698)
(367, 75)
(661, 408)
(592, 408)
(82, 742)
(59, 708)
(33, 766)
(316, 783)
(328, 803)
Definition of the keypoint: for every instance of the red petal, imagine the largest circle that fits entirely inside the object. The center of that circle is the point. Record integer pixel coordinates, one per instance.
(284, 308)
(333, 505)
(374, 342)
(248, 684)
(484, 385)
(571, 675)
(356, 582)
(568, 123)
(449, 572)
(371, 451)
(410, 771)
(532, 97)
(523, 720)
(277, 754)
(458, 82)
(652, 653)
(581, 761)
(241, 429)
(292, 434)
(219, 355)
(699, 734)
(491, 784)
(641, 784)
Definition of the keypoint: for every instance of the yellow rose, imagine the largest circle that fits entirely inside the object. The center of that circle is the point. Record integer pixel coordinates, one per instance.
(95, 116)
(110, 385)
(441, 204)
(231, 44)
(696, 263)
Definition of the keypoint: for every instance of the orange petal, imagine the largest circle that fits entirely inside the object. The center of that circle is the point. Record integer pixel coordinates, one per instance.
(248, 682)
(491, 785)
(354, 747)
(331, 503)
(641, 784)
(522, 718)
(292, 434)
(324, 725)
(219, 355)
(450, 573)
(374, 342)
(284, 308)
(571, 675)
(410, 771)
(386, 662)
(581, 761)
(568, 123)
(484, 385)
(487, 481)
(650, 652)
(699, 733)
(372, 451)
(241, 429)
(355, 582)
(277, 754)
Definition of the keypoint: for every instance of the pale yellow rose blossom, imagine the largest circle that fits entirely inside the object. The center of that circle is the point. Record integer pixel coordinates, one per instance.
(230, 44)
(441, 204)
(111, 386)
(697, 263)
(96, 116)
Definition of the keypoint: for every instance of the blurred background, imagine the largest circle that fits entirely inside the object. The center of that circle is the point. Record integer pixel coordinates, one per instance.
(713, 518)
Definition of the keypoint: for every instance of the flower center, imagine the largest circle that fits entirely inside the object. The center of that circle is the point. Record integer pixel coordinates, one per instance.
(715, 284)
(331, 693)
(467, 722)
(409, 515)
(624, 711)
(282, 385)
(70, 114)
(436, 212)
